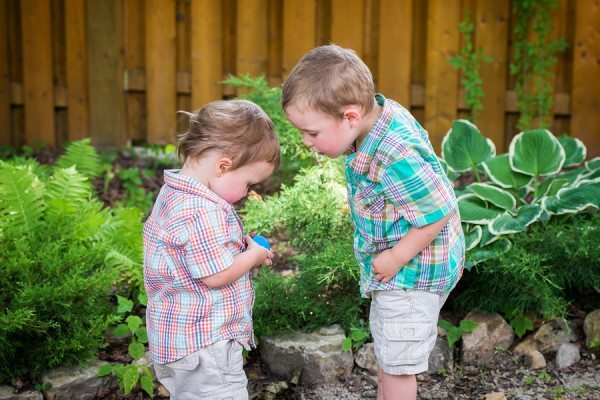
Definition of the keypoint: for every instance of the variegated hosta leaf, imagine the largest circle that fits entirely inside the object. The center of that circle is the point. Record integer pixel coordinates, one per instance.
(486, 236)
(499, 171)
(536, 152)
(506, 223)
(593, 164)
(573, 199)
(574, 175)
(472, 236)
(575, 150)
(550, 186)
(476, 211)
(479, 254)
(464, 147)
(492, 194)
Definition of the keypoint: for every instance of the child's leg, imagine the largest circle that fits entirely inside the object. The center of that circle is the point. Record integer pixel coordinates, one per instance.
(399, 387)
(404, 328)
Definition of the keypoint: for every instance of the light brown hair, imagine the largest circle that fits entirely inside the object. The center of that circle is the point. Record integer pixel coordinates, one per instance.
(238, 128)
(328, 78)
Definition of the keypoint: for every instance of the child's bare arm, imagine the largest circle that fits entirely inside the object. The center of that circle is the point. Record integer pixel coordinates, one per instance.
(242, 263)
(387, 263)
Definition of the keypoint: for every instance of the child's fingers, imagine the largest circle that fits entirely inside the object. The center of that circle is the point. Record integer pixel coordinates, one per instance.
(270, 254)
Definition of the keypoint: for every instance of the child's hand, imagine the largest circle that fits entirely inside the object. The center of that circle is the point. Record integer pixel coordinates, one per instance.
(385, 266)
(263, 256)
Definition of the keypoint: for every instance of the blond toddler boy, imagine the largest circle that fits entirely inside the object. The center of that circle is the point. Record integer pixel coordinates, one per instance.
(407, 232)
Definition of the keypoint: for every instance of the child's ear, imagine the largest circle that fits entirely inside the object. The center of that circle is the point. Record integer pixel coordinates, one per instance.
(352, 114)
(224, 164)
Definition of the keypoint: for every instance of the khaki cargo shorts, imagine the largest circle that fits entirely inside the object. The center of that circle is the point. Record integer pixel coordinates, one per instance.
(404, 327)
(214, 372)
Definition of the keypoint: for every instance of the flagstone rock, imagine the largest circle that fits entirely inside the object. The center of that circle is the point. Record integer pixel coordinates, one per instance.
(527, 348)
(567, 355)
(552, 334)
(479, 346)
(591, 328)
(77, 382)
(318, 356)
(7, 393)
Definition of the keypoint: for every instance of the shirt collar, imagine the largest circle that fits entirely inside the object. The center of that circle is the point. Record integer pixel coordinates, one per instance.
(176, 180)
(364, 156)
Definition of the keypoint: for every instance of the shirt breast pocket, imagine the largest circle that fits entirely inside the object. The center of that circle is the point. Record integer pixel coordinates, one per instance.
(369, 205)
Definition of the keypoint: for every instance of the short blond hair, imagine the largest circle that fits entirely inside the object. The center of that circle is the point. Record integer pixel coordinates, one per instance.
(328, 78)
(239, 129)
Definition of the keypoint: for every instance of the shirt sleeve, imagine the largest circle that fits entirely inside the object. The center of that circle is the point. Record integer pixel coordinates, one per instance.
(412, 184)
(207, 250)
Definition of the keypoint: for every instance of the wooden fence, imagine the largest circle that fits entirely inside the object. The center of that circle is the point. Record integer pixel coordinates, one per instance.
(116, 70)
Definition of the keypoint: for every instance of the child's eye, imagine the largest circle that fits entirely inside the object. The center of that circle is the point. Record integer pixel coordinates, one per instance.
(312, 133)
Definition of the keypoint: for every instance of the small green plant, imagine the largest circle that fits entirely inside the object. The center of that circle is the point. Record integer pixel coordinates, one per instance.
(456, 332)
(137, 194)
(357, 337)
(520, 323)
(129, 375)
(534, 55)
(468, 61)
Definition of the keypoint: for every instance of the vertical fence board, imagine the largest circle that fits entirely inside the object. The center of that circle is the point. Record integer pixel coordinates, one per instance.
(134, 27)
(105, 71)
(160, 69)
(251, 37)
(206, 48)
(275, 43)
(491, 27)
(38, 90)
(76, 64)
(4, 76)
(585, 119)
(441, 86)
(299, 30)
(395, 50)
(347, 24)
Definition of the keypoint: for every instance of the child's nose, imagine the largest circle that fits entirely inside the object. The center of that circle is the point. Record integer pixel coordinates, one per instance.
(306, 140)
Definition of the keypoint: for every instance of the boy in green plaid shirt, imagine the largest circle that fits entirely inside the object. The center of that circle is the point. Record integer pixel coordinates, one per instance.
(407, 232)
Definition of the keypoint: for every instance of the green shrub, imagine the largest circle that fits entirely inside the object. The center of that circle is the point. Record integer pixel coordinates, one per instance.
(543, 272)
(55, 287)
(313, 211)
(324, 292)
(63, 256)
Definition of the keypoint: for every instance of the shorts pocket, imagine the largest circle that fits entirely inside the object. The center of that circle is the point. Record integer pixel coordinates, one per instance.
(188, 363)
(231, 363)
(405, 342)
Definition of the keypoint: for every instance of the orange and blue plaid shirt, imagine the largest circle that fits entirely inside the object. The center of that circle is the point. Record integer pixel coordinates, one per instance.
(396, 182)
(193, 233)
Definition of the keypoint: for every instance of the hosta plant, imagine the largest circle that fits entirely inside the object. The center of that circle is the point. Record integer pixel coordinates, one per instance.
(539, 177)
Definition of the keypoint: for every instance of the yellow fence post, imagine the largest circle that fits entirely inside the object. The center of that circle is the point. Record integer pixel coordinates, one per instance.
(38, 88)
(585, 118)
(206, 49)
(76, 64)
(160, 70)
(441, 82)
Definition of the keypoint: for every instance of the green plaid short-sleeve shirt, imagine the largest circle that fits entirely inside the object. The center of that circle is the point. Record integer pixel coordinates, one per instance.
(395, 181)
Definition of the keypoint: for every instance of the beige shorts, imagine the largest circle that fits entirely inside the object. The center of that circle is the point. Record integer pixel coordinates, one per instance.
(404, 327)
(214, 372)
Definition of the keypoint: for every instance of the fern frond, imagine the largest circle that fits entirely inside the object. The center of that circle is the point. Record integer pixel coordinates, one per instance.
(92, 221)
(83, 156)
(69, 186)
(42, 171)
(21, 198)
